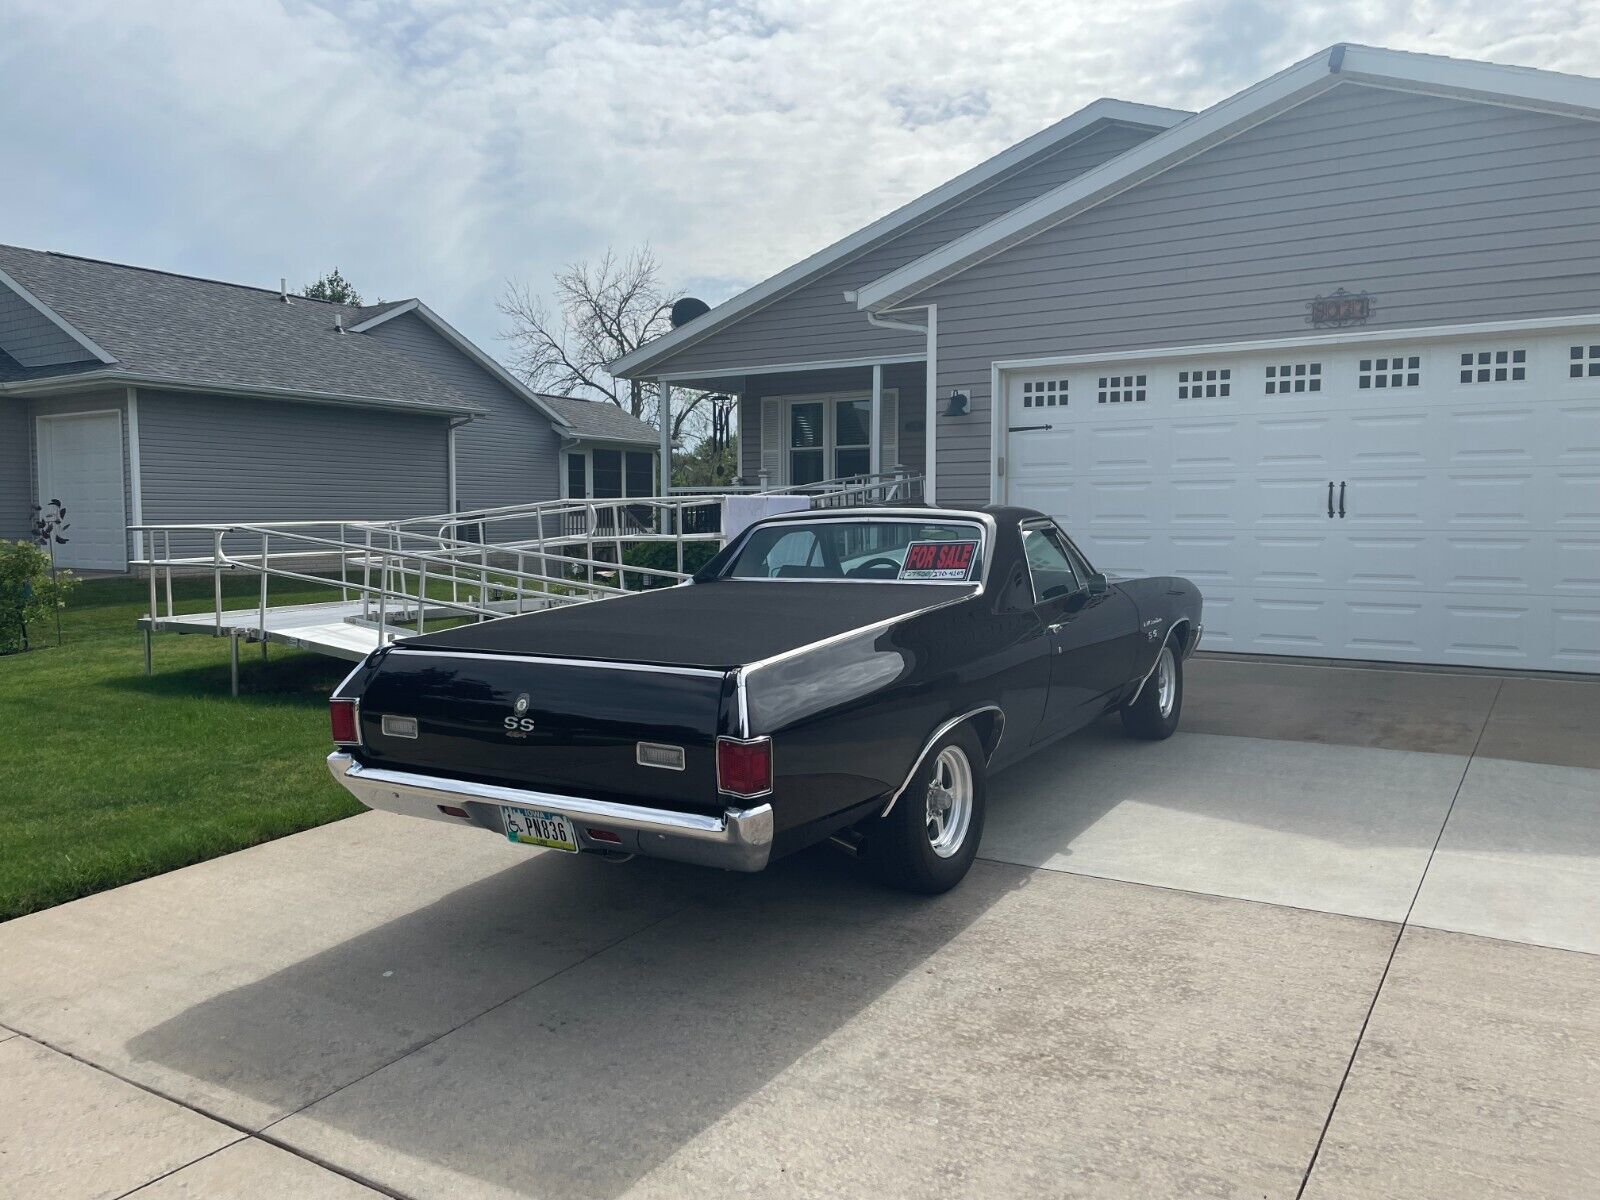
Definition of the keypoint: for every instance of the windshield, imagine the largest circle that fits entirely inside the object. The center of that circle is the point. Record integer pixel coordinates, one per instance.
(888, 550)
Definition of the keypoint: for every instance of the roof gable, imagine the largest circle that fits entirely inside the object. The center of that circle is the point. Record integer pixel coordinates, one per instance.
(1520, 87)
(1088, 120)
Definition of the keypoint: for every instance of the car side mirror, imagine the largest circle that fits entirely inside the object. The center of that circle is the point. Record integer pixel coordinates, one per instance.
(1098, 584)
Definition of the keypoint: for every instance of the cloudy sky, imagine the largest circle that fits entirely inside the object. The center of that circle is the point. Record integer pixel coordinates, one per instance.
(438, 149)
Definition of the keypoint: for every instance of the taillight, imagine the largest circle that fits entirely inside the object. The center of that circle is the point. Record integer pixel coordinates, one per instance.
(744, 768)
(342, 714)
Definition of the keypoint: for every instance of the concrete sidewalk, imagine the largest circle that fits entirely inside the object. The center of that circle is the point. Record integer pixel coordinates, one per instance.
(1352, 966)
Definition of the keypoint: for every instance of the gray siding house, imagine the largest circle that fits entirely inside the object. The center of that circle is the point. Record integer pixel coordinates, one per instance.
(138, 396)
(1330, 348)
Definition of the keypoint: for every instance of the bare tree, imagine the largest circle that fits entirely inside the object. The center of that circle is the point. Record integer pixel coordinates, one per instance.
(603, 310)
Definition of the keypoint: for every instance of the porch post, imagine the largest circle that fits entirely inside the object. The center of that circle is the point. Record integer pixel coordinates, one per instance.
(665, 415)
(875, 457)
(930, 484)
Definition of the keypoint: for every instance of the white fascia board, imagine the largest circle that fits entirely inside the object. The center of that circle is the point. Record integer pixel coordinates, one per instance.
(1216, 124)
(462, 343)
(1465, 79)
(56, 319)
(90, 381)
(1086, 120)
(1517, 87)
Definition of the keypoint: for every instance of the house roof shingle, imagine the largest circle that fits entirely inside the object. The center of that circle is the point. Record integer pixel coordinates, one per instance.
(201, 332)
(600, 421)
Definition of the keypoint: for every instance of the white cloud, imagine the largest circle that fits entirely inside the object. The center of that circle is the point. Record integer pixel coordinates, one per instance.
(434, 148)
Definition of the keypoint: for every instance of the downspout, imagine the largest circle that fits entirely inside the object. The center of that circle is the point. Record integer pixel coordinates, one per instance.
(450, 462)
(930, 468)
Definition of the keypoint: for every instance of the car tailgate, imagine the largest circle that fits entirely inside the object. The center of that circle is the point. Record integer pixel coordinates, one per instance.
(572, 727)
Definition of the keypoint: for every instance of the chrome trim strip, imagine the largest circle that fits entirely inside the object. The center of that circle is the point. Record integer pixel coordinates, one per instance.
(740, 839)
(742, 694)
(601, 663)
(850, 633)
(932, 741)
(1134, 699)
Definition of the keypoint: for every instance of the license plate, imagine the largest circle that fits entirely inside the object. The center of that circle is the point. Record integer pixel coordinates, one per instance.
(533, 828)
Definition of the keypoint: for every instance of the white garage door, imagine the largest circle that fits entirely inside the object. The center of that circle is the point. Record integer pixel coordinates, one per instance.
(80, 464)
(1463, 478)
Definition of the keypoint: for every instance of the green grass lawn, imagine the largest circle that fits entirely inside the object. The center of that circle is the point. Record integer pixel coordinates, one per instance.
(107, 776)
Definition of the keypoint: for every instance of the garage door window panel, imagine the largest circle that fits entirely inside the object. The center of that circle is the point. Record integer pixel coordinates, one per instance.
(1044, 393)
(1392, 371)
(1121, 389)
(1494, 366)
(1283, 378)
(1585, 362)
(1208, 383)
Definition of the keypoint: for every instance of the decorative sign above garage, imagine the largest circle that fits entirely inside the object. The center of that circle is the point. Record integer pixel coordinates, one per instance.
(1340, 308)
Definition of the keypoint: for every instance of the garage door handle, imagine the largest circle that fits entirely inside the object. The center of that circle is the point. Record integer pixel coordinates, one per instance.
(1341, 499)
(1330, 499)
(1026, 428)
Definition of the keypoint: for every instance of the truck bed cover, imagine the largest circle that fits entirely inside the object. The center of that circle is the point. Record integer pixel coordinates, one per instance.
(719, 625)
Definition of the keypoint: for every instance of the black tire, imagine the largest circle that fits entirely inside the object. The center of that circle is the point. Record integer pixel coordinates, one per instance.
(1144, 716)
(901, 847)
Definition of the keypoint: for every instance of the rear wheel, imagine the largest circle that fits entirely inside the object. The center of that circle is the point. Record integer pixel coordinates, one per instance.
(930, 837)
(1153, 713)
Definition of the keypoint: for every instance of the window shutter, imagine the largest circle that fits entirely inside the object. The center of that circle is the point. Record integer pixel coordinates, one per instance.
(772, 442)
(889, 452)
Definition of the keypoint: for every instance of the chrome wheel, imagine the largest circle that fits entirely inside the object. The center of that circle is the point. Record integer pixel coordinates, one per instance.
(950, 794)
(1166, 682)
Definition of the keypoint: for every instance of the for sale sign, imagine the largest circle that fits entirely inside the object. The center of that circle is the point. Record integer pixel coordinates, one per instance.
(939, 560)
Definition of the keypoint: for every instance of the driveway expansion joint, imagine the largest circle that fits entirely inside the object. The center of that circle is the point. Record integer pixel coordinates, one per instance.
(1394, 949)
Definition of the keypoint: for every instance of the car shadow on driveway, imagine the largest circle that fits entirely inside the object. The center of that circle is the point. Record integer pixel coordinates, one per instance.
(631, 1049)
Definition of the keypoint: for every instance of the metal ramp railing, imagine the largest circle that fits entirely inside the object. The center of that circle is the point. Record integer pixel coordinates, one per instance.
(385, 579)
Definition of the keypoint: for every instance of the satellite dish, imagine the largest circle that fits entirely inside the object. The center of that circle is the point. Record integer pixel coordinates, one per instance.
(687, 309)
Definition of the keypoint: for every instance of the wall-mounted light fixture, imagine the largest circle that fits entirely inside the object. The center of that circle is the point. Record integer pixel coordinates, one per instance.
(960, 403)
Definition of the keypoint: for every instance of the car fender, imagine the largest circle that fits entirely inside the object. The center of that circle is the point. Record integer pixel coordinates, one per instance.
(933, 740)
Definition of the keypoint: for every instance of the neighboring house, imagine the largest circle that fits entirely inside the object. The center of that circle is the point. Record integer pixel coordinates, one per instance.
(138, 396)
(1330, 348)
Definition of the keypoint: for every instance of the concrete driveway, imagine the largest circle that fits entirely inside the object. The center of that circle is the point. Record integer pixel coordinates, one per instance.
(1339, 938)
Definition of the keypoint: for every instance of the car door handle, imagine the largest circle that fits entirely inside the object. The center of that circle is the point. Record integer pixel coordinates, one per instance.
(1330, 499)
(1341, 499)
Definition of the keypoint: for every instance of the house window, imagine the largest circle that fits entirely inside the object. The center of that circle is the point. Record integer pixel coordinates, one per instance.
(607, 474)
(1044, 393)
(1494, 366)
(1206, 384)
(1121, 389)
(640, 473)
(829, 439)
(1585, 362)
(1392, 372)
(852, 438)
(1283, 378)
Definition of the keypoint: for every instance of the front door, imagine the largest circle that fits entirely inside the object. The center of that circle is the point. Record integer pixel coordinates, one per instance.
(80, 465)
(1089, 631)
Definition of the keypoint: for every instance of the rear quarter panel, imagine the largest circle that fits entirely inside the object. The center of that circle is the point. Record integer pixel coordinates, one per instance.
(849, 718)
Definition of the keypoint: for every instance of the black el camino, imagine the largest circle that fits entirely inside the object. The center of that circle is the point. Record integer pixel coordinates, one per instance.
(854, 674)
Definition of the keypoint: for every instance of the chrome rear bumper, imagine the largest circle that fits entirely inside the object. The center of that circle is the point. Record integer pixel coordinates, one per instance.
(739, 840)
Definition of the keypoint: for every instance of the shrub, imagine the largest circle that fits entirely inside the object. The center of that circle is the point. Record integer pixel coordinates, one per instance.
(29, 593)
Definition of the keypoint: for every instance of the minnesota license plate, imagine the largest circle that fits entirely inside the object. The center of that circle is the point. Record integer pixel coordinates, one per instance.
(533, 828)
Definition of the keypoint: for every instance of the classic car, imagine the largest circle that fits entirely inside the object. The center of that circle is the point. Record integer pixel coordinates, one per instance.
(853, 674)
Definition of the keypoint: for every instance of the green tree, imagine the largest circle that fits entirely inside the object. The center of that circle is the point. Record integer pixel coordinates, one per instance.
(334, 288)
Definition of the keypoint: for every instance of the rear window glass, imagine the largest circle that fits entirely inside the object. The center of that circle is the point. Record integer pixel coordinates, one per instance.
(946, 551)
